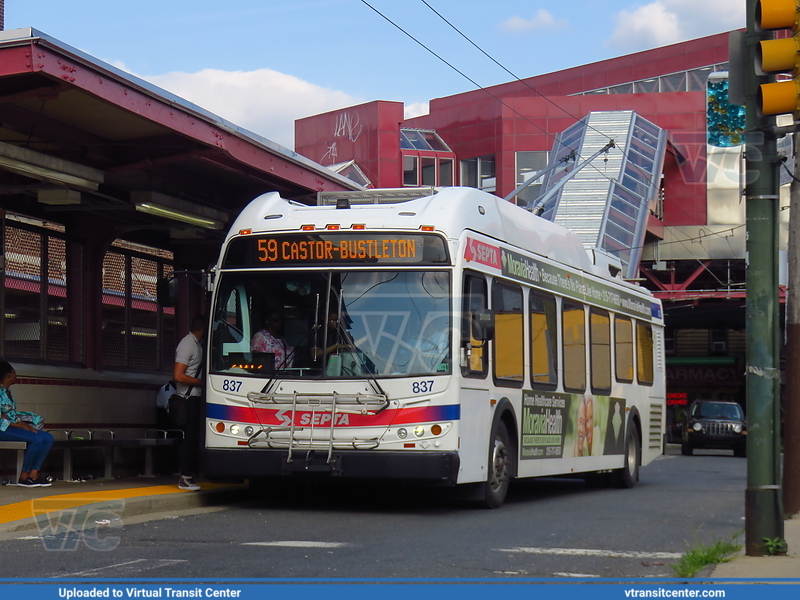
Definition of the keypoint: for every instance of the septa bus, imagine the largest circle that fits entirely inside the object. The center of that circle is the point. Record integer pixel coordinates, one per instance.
(452, 339)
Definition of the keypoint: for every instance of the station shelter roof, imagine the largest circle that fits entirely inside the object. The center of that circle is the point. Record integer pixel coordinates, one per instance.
(81, 139)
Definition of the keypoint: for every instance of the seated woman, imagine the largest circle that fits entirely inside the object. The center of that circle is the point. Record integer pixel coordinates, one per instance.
(21, 427)
(270, 339)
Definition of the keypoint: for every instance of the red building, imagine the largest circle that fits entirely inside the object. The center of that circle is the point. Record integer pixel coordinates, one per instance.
(491, 138)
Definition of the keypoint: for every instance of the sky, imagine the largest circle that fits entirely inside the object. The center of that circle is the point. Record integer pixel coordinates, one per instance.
(261, 64)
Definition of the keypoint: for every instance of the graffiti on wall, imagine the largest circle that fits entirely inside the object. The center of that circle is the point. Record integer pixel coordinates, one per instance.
(347, 125)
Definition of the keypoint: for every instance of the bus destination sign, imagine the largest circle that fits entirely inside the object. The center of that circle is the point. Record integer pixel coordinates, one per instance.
(340, 248)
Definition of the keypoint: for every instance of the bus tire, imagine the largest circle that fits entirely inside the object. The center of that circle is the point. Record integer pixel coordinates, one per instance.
(499, 468)
(628, 475)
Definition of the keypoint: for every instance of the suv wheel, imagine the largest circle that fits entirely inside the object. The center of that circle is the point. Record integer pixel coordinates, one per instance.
(686, 449)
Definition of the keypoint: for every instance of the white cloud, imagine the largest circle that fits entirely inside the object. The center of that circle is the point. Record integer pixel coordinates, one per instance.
(416, 109)
(542, 20)
(669, 21)
(264, 101)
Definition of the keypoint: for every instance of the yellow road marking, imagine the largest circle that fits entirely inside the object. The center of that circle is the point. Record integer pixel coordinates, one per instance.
(50, 504)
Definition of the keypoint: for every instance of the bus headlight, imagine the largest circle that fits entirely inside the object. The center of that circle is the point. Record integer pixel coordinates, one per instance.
(402, 433)
(419, 431)
(235, 429)
(248, 431)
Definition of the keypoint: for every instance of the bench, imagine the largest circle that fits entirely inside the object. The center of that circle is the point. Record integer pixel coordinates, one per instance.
(20, 448)
(154, 438)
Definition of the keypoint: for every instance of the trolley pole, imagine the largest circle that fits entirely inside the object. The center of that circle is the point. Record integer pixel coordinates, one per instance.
(763, 511)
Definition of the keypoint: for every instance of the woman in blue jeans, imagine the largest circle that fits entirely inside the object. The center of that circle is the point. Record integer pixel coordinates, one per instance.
(14, 429)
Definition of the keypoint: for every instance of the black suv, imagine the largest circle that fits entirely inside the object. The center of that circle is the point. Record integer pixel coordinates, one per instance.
(715, 424)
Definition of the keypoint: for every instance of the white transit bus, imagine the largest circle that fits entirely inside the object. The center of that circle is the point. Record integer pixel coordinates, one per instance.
(453, 339)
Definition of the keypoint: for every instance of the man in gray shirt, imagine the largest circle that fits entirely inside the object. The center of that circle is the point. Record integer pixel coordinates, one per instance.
(186, 407)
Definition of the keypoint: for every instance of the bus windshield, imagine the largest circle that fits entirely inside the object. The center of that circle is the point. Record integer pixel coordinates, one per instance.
(332, 324)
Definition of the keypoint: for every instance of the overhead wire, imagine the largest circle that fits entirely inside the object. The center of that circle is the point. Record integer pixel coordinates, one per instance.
(498, 98)
(624, 151)
(534, 90)
(531, 88)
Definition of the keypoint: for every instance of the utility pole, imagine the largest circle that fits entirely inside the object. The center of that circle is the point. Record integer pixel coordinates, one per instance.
(763, 510)
(791, 424)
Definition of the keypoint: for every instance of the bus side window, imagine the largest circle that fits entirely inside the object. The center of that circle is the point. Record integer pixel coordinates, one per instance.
(509, 347)
(623, 348)
(574, 346)
(544, 336)
(474, 351)
(644, 353)
(600, 350)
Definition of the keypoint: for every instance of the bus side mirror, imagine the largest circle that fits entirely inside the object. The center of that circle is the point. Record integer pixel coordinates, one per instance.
(167, 291)
(483, 325)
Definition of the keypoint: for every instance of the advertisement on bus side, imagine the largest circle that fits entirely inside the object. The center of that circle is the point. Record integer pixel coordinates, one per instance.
(558, 425)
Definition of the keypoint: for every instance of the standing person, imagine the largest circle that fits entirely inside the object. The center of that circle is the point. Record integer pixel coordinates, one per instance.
(15, 427)
(186, 406)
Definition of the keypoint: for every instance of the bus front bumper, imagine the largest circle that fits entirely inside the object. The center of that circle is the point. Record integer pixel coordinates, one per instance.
(240, 463)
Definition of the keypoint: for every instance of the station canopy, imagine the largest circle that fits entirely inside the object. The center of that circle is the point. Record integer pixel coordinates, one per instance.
(82, 142)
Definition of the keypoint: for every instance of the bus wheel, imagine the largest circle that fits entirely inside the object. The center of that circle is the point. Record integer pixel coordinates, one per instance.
(628, 475)
(500, 462)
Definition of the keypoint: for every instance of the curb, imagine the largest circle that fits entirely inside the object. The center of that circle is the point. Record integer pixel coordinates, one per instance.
(94, 514)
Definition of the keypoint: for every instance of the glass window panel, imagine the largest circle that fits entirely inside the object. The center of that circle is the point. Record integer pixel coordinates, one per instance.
(475, 299)
(622, 220)
(405, 143)
(57, 340)
(143, 334)
(624, 238)
(574, 350)
(417, 139)
(636, 187)
(544, 334)
(410, 174)
(644, 353)
(23, 301)
(600, 350)
(697, 79)
(643, 148)
(509, 333)
(113, 313)
(435, 142)
(445, 172)
(676, 82)
(645, 86)
(639, 160)
(623, 348)
(428, 171)
(469, 172)
(624, 207)
(625, 88)
(486, 169)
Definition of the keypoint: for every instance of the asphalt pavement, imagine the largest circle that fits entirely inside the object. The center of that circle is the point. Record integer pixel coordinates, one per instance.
(97, 502)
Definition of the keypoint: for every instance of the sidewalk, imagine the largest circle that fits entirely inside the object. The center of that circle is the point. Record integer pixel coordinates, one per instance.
(99, 501)
(765, 567)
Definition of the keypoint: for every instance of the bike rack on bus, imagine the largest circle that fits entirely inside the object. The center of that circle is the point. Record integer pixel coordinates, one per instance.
(333, 403)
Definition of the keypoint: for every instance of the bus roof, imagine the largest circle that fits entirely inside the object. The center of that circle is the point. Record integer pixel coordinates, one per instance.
(450, 210)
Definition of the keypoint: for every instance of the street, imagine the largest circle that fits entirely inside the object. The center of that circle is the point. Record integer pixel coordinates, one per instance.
(552, 528)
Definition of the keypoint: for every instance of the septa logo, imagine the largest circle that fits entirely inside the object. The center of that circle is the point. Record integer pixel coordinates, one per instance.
(482, 253)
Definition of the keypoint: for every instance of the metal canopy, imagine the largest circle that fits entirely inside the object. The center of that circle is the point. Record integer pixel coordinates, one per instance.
(67, 111)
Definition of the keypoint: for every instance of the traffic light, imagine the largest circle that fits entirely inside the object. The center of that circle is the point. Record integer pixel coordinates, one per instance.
(781, 55)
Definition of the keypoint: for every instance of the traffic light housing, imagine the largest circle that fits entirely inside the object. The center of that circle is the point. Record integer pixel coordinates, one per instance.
(779, 56)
